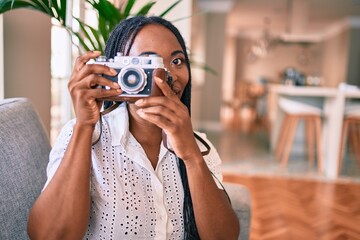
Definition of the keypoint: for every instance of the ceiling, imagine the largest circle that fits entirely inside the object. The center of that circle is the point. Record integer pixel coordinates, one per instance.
(306, 19)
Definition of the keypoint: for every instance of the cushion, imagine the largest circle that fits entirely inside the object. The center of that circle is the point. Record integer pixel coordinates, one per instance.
(24, 151)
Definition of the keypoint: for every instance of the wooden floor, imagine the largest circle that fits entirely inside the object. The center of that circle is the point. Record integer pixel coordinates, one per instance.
(292, 209)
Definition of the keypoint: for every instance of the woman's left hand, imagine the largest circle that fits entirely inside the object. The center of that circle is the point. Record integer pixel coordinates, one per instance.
(171, 115)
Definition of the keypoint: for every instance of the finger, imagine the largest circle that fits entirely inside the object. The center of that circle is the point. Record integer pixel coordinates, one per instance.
(175, 117)
(101, 93)
(164, 87)
(95, 69)
(94, 81)
(164, 112)
(172, 103)
(91, 82)
(83, 59)
(158, 120)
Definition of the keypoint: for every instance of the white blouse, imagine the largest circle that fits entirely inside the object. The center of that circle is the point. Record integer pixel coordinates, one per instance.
(129, 198)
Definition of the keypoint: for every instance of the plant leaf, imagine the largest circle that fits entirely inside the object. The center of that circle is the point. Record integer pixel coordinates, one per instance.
(106, 10)
(84, 29)
(11, 5)
(104, 31)
(96, 35)
(170, 8)
(81, 41)
(203, 66)
(92, 35)
(62, 10)
(145, 9)
(42, 6)
(128, 7)
(55, 9)
(189, 16)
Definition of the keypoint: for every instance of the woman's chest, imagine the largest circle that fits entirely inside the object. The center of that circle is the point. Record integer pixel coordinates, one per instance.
(130, 199)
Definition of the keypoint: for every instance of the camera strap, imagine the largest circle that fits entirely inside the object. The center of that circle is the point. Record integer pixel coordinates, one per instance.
(202, 141)
(109, 109)
(204, 153)
(98, 130)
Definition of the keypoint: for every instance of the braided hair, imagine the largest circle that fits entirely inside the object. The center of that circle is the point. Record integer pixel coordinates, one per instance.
(121, 40)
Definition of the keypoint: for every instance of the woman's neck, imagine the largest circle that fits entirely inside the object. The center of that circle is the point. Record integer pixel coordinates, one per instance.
(142, 129)
(147, 134)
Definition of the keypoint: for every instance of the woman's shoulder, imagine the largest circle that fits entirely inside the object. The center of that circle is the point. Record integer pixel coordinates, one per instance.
(68, 127)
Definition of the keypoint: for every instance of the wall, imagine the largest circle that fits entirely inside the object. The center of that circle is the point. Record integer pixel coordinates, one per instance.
(280, 57)
(208, 40)
(198, 54)
(27, 53)
(353, 70)
(212, 88)
(335, 59)
(327, 59)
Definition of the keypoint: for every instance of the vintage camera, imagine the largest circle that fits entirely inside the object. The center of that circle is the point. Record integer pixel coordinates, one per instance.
(135, 75)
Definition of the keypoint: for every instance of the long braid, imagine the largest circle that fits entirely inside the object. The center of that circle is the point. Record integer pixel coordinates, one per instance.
(190, 229)
(121, 40)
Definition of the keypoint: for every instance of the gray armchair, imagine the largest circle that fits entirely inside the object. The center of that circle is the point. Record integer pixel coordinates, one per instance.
(24, 152)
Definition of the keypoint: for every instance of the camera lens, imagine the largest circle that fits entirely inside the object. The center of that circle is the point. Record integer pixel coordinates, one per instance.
(132, 80)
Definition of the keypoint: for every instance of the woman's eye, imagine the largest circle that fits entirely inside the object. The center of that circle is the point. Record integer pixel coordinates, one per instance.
(177, 61)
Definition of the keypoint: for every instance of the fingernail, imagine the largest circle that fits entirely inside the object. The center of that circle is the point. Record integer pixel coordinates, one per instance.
(159, 79)
(139, 102)
(97, 52)
(113, 71)
(119, 90)
(115, 84)
(140, 112)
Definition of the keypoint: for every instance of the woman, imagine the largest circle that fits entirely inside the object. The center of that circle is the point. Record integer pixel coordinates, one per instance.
(138, 188)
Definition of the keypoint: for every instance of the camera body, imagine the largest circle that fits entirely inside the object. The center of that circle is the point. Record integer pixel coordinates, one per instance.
(135, 75)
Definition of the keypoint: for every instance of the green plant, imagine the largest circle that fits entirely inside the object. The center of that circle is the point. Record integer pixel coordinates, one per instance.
(89, 38)
(108, 17)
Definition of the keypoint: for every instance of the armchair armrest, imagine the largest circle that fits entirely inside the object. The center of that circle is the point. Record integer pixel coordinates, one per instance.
(241, 203)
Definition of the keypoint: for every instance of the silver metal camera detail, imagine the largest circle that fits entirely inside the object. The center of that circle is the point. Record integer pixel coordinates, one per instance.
(134, 72)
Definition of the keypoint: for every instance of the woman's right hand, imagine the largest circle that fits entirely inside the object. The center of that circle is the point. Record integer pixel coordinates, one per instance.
(85, 91)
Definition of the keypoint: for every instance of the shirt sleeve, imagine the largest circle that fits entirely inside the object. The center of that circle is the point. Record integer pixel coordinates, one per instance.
(58, 150)
(213, 160)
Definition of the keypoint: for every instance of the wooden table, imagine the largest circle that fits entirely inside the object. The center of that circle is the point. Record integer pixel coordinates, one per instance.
(333, 106)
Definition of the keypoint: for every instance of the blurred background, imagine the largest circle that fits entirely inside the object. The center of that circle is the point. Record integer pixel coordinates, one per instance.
(250, 47)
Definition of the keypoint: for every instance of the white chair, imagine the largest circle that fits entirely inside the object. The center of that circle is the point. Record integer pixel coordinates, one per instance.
(295, 111)
(351, 127)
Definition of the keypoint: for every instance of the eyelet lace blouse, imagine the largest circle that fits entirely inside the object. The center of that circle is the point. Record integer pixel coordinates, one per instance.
(129, 198)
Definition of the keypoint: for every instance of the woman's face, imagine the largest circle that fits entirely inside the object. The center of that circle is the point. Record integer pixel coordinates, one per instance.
(157, 39)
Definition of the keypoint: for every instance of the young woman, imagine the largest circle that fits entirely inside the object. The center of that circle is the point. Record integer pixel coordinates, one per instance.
(129, 185)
